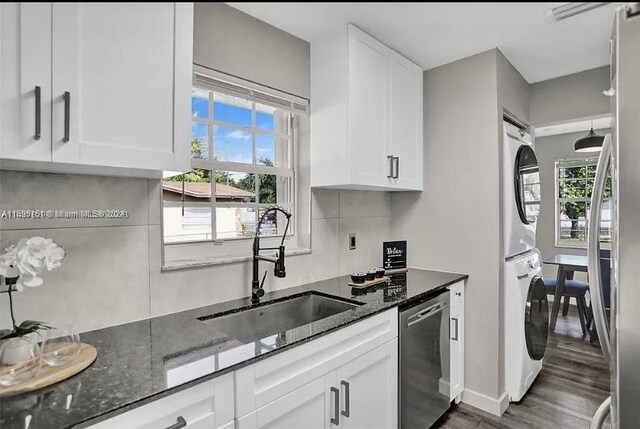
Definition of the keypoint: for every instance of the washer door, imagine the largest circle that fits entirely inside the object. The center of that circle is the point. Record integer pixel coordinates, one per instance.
(527, 184)
(536, 319)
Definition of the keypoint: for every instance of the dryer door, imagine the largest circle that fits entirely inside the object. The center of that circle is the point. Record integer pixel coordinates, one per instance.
(536, 319)
(527, 184)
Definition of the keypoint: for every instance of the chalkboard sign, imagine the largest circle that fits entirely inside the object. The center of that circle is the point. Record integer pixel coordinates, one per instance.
(394, 255)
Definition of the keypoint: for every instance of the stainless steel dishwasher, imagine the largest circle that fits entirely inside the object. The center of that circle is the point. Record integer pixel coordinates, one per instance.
(424, 362)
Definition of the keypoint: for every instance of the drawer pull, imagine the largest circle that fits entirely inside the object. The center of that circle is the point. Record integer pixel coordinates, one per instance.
(336, 407)
(37, 134)
(455, 336)
(67, 117)
(180, 423)
(347, 401)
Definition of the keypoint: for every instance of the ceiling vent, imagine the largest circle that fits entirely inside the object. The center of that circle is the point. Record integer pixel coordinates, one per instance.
(568, 10)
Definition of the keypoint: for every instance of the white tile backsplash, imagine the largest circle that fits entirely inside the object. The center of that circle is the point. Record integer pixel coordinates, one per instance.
(103, 281)
(112, 273)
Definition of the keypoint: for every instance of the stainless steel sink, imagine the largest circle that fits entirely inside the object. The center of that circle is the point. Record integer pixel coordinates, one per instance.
(273, 318)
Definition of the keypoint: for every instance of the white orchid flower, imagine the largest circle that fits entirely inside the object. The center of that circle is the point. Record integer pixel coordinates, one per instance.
(29, 258)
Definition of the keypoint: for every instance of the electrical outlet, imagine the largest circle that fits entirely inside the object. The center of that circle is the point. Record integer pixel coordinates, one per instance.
(352, 241)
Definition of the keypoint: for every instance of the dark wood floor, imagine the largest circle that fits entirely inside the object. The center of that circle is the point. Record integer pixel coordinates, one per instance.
(572, 384)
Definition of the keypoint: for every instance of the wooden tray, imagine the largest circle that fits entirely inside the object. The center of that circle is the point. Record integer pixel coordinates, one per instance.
(368, 283)
(49, 375)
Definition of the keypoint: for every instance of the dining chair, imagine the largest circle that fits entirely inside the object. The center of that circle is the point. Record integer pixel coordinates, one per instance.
(572, 289)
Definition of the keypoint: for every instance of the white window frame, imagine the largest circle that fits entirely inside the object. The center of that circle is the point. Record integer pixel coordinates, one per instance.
(572, 162)
(216, 250)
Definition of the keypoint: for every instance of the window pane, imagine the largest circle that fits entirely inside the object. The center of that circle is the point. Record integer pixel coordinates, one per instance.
(591, 170)
(572, 189)
(232, 145)
(235, 222)
(199, 103)
(196, 185)
(276, 222)
(232, 110)
(270, 224)
(572, 172)
(573, 211)
(264, 120)
(199, 140)
(235, 187)
(186, 223)
(265, 150)
(274, 189)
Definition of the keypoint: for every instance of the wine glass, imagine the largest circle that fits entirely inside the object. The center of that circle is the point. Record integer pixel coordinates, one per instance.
(20, 360)
(61, 346)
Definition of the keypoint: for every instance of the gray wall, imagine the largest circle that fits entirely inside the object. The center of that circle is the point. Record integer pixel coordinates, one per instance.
(112, 271)
(454, 224)
(548, 151)
(233, 42)
(513, 96)
(570, 97)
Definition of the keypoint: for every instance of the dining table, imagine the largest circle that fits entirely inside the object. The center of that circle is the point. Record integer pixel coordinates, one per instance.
(567, 266)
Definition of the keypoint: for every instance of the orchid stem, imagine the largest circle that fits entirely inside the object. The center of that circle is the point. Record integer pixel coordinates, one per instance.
(13, 318)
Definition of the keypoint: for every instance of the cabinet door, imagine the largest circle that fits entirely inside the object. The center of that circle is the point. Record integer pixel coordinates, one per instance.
(367, 109)
(115, 63)
(311, 407)
(457, 351)
(25, 65)
(369, 389)
(405, 122)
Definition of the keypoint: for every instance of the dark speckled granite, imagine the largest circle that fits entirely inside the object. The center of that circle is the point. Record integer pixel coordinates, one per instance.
(142, 361)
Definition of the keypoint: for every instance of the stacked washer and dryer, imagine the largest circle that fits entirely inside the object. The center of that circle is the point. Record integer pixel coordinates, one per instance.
(526, 310)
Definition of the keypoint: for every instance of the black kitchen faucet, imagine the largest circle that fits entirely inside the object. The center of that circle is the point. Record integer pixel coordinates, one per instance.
(279, 270)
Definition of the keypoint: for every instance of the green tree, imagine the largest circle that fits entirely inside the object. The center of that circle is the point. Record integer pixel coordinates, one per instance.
(267, 192)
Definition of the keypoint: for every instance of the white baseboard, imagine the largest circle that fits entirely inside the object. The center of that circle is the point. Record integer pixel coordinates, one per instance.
(486, 403)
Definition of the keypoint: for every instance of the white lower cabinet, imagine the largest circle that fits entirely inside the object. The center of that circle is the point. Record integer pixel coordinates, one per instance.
(456, 330)
(307, 407)
(209, 405)
(361, 394)
(369, 389)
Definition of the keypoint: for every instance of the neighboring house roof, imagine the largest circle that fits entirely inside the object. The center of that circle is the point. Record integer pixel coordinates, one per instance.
(203, 190)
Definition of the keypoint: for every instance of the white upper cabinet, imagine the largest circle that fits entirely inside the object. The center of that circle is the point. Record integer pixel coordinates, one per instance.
(25, 81)
(118, 89)
(366, 115)
(405, 121)
(367, 108)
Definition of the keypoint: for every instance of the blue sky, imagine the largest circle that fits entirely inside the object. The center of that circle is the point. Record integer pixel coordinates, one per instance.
(233, 145)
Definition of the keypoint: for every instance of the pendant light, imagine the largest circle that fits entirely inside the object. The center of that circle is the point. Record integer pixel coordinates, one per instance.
(591, 143)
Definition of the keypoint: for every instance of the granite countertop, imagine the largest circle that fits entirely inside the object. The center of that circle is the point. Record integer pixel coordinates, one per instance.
(143, 361)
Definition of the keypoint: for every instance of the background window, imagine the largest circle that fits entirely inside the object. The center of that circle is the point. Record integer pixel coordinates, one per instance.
(574, 182)
(241, 153)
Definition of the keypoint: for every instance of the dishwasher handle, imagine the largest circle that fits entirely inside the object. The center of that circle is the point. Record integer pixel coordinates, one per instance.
(426, 313)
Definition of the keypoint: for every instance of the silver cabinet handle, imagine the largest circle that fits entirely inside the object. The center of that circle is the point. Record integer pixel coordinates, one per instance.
(390, 158)
(180, 423)
(336, 419)
(347, 402)
(37, 135)
(455, 336)
(397, 160)
(67, 115)
(593, 249)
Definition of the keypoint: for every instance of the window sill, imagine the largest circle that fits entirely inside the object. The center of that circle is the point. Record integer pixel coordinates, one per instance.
(183, 264)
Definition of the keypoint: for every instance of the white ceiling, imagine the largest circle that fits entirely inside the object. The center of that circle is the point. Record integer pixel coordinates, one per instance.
(433, 34)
